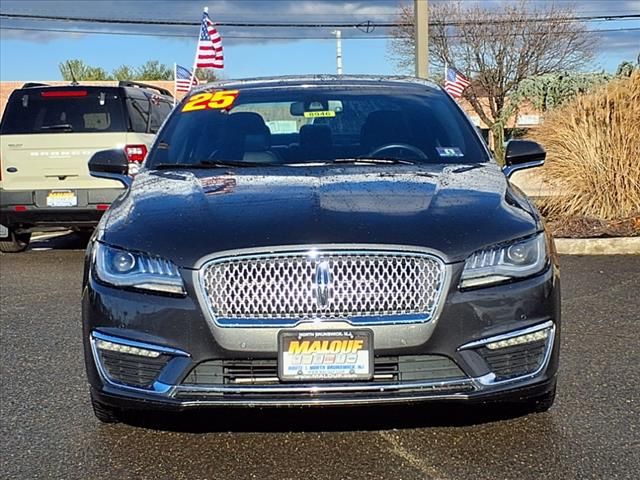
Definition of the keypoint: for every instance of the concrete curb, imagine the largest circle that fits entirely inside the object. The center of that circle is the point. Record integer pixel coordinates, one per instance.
(598, 246)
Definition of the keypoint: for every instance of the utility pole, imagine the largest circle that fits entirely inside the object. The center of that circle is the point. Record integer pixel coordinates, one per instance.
(338, 34)
(421, 27)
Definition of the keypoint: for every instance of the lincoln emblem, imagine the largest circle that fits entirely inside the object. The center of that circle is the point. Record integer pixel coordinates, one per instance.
(323, 283)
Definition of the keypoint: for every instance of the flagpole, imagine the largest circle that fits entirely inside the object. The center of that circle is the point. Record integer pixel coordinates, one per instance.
(175, 82)
(195, 58)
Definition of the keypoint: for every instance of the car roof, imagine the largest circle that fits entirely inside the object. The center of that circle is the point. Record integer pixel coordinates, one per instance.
(322, 81)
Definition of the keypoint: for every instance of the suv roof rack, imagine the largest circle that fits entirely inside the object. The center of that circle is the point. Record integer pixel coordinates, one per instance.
(130, 83)
(35, 84)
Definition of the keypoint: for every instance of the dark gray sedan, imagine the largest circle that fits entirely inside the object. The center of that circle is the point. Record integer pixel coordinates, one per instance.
(320, 241)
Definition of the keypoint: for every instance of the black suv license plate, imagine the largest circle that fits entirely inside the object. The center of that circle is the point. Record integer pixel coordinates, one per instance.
(329, 355)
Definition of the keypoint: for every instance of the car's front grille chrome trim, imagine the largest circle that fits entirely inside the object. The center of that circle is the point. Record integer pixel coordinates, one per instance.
(359, 286)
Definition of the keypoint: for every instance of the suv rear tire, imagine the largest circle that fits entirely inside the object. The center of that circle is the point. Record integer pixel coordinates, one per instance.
(16, 242)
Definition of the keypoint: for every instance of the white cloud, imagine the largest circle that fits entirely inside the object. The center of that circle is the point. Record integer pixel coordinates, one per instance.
(294, 11)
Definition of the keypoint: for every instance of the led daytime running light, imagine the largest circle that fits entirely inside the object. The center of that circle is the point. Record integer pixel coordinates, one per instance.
(521, 340)
(116, 347)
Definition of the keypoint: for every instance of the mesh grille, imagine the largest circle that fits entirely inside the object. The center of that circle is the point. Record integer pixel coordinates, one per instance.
(332, 285)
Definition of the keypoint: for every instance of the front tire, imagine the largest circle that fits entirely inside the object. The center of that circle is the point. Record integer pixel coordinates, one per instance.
(15, 243)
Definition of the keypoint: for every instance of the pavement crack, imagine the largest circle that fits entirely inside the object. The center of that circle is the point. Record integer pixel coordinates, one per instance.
(429, 471)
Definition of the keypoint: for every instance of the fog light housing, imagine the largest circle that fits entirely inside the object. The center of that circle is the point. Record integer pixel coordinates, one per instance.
(515, 355)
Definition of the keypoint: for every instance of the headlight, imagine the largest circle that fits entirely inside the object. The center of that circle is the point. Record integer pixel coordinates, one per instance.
(136, 270)
(505, 262)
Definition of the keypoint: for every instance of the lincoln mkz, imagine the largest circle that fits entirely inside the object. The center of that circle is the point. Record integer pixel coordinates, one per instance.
(320, 241)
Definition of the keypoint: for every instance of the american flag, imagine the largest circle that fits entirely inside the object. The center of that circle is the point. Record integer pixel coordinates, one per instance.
(455, 82)
(209, 45)
(182, 79)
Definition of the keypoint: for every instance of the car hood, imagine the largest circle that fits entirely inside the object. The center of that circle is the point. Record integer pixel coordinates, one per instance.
(185, 215)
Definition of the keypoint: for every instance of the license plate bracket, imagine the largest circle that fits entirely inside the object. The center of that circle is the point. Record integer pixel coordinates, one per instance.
(325, 355)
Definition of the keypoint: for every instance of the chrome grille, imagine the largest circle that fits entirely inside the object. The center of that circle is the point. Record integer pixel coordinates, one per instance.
(326, 285)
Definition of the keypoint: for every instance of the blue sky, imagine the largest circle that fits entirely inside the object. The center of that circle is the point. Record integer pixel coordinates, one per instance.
(35, 54)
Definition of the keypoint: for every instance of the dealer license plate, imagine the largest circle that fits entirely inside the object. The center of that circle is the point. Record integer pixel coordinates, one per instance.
(325, 355)
(62, 198)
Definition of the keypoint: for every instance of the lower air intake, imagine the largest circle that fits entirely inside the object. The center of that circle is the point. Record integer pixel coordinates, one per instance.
(410, 368)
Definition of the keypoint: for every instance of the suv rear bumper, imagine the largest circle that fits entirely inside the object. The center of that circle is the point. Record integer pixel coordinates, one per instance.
(27, 210)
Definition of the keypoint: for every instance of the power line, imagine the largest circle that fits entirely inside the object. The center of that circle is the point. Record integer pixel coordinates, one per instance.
(396, 13)
(271, 37)
(591, 18)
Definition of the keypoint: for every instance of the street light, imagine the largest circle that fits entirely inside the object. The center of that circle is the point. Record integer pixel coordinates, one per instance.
(338, 34)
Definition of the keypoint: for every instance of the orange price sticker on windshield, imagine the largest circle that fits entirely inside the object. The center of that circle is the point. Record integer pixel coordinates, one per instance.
(211, 101)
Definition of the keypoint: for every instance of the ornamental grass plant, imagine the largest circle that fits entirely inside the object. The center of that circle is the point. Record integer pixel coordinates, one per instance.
(593, 153)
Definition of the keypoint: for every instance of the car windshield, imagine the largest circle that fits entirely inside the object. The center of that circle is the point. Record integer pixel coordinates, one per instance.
(296, 125)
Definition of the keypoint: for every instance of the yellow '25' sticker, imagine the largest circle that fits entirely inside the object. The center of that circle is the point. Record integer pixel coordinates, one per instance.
(211, 100)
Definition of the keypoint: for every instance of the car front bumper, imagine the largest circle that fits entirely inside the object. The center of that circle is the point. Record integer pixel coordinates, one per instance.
(177, 330)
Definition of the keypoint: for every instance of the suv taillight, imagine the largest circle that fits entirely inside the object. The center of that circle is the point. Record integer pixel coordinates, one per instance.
(136, 155)
(63, 93)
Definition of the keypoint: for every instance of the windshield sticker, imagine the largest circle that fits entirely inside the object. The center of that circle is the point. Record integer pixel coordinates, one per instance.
(318, 114)
(211, 101)
(449, 152)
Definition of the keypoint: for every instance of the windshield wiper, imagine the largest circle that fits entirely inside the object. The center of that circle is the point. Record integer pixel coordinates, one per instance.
(208, 164)
(375, 160)
(466, 168)
(61, 126)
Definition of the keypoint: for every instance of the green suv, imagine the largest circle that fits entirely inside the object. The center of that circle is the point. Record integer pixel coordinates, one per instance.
(47, 135)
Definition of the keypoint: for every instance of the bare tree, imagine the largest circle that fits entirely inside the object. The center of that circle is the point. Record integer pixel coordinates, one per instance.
(497, 49)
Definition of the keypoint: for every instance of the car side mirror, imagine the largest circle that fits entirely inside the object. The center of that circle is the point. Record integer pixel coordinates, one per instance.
(111, 164)
(522, 154)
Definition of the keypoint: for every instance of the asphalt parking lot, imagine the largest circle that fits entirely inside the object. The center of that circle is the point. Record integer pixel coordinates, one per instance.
(48, 430)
